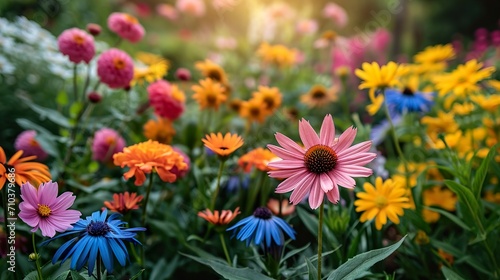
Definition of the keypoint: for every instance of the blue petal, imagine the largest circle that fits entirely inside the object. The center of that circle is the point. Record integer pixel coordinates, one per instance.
(93, 255)
(119, 250)
(106, 254)
(78, 258)
(259, 231)
(62, 250)
(284, 226)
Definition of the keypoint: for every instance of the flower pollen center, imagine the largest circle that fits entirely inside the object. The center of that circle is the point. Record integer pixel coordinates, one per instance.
(262, 213)
(320, 159)
(34, 143)
(98, 228)
(131, 19)
(44, 210)
(211, 99)
(318, 94)
(118, 63)
(381, 201)
(407, 92)
(214, 75)
(78, 39)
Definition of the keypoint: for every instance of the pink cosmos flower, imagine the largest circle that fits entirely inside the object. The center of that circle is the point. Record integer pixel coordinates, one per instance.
(192, 7)
(77, 44)
(322, 165)
(115, 68)
(126, 26)
(306, 26)
(166, 100)
(26, 142)
(167, 11)
(106, 143)
(335, 13)
(41, 208)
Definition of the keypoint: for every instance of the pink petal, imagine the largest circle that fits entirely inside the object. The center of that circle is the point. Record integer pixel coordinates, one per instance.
(354, 170)
(63, 202)
(327, 132)
(29, 195)
(345, 140)
(357, 159)
(285, 173)
(47, 193)
(293, 182)
(31, 218)
(343, 179)
(289, 144)
(333, 195)
(285, 154)
(325, 182)
(358, 148)
(307, 134)
(46, 228)
(316, 195)
(299, 193)
(287, 164)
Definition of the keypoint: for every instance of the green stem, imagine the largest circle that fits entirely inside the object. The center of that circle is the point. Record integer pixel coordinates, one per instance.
(86, 85)
(320, 237)
(98, 261)
(75, 87)
(37, 258)
(493, 259)
(253, 191)
(148, 191)
(223, 242)
(217, 187)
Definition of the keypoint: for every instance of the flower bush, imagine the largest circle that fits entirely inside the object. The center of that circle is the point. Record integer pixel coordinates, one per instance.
(339, 163)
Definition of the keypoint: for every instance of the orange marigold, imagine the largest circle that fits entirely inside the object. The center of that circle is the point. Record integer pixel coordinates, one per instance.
(24, 170)
(146, 157)
(222, 145)
(259, 158)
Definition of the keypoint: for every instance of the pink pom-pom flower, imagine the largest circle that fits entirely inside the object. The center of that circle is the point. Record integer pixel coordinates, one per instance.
(115, 68)
(107, 142)
(26, 142)
(77, 44)
(126, 26)
(166, 99)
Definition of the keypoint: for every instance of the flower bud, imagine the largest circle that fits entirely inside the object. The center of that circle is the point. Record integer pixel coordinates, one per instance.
(94, 97)
(94, 29)
(183, 74)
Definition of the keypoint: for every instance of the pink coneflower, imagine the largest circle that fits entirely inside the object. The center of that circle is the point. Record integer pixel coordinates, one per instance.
(26, 142)
(106, 143)
(192, 7)
(306, 26)
(187, 161)
(41, 208)
(167, 11)
(322, 165)
(167, 100)
(77, 44)
(126, 26)
(115, 68)
(336, 13)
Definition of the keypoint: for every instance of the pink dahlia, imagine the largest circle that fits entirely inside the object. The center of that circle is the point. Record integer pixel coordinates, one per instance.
(27, 143)
(42, 208)
(323, 164)
(187, 161)
(77, 44)
(115, 68)
(167, 100)
(106, 143)
(126, 26)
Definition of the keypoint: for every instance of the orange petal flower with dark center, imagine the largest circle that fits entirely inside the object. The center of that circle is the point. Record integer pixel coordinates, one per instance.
(24, 169)
(222, 145)
(124, 202)
(147, 157)
(258, 157)
(219, 218)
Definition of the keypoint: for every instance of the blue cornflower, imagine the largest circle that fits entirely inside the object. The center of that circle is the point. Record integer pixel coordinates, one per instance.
(96, 236)
(263, 226)
(408, 100)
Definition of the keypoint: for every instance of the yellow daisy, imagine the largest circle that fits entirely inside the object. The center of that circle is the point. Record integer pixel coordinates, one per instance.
(253, 110)
(319, 96)
(152, 68)
(433, 58)
(209, 94)
(270, 97)
(384, 200)
(488, 103)
(211, 70)
(279, 55)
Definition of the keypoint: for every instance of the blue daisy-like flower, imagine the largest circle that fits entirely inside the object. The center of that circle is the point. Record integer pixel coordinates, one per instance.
(262, 228)
(408, 100)
(97, 235)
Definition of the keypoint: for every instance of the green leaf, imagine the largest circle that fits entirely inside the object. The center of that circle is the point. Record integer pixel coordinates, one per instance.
(450, 216)
(228, 272)
(77, 276)
(53, 115)
(450, 274)
(62, 98)
(465, 196)
(75, 109)
(139, 274)
(477, 182)
(311, 222)
(63, 275)
(294, 252)
(313, 272)
(358, 265)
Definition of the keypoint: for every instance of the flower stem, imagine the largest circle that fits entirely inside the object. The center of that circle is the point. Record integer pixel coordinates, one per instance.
(37, 258)
(223, 242)
(75, 87)
(217, 187)
(98, 266)
(148, 191)
(320, 237)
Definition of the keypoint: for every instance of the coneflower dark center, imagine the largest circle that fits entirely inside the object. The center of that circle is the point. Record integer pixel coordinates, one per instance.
(408, 92)
(215, 75)
(262, 213)
(98, 228)
(318, 94)
(320, 159)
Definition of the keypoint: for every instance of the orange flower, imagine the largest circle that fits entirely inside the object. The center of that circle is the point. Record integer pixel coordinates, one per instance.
(160, 130)
(286, 207)
(254, 110)
(221, 219)
(145, 157)
(269, 97)
(223, 146)
(123, 202)
(258, 157)
(24, 170)
(209, 94)
(211, 70)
